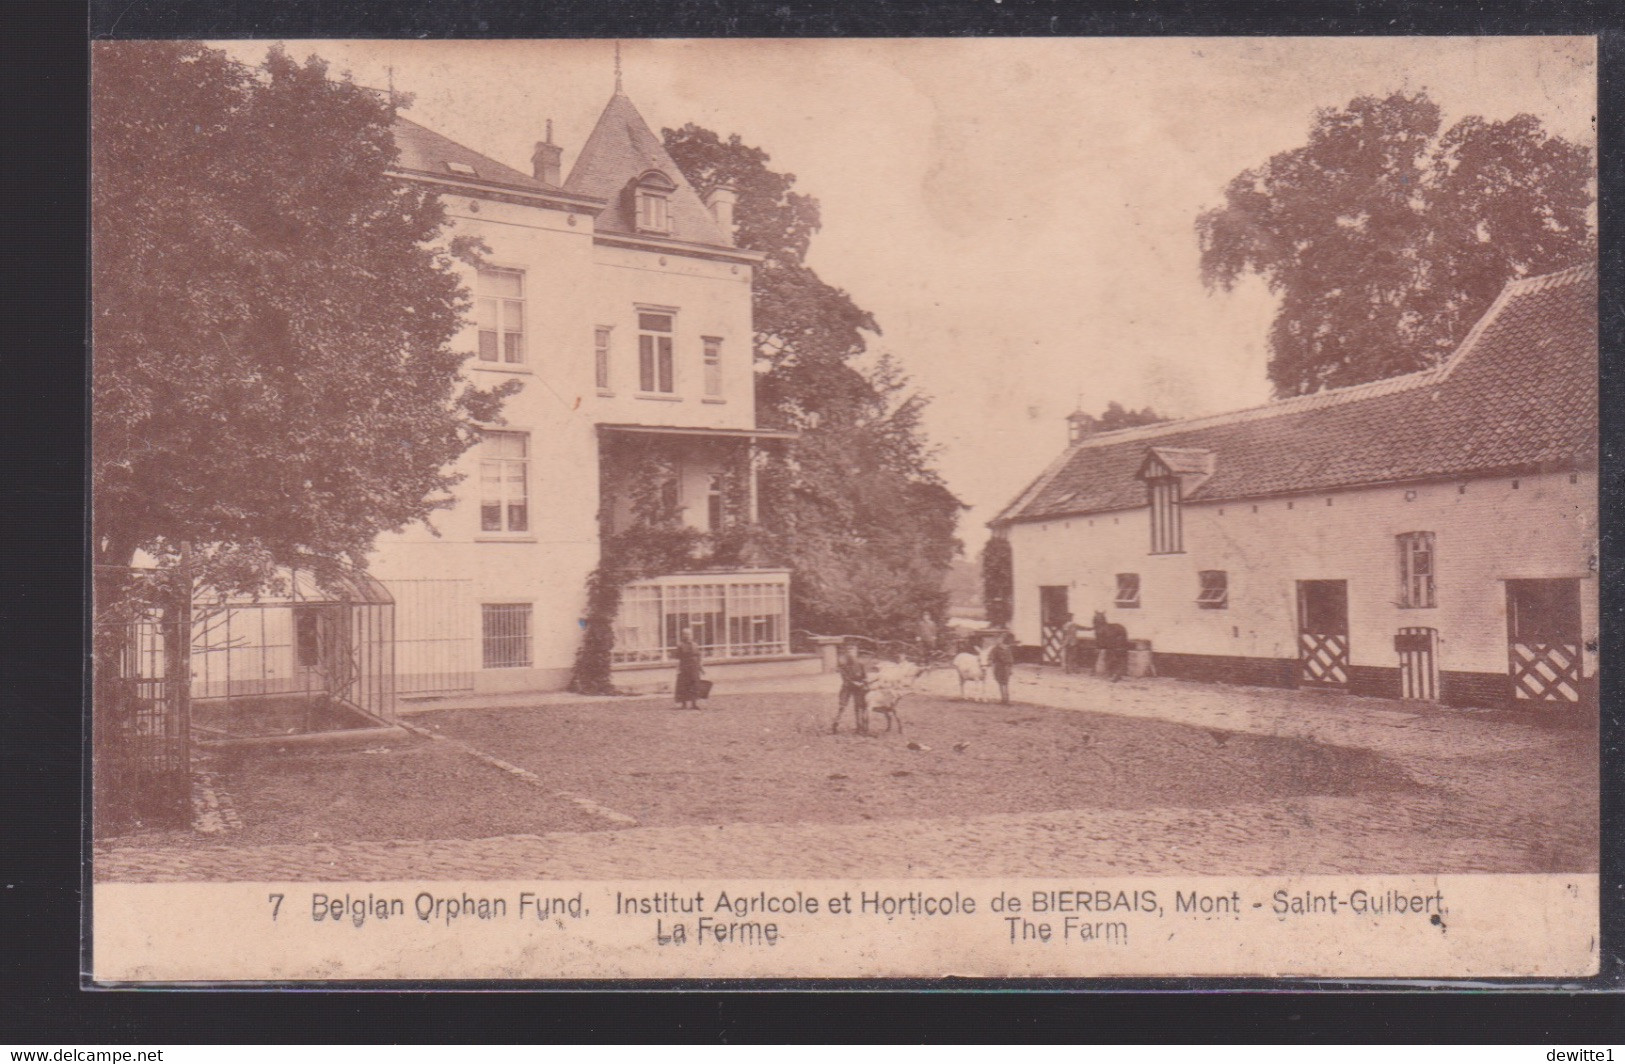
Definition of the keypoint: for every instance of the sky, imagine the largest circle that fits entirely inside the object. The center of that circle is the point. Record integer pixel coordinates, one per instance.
(1018, 214)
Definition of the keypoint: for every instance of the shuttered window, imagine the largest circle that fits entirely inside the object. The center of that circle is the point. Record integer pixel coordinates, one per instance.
(1416, 570)
(600, 351)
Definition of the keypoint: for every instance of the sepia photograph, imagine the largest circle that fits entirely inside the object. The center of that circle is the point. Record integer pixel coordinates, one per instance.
(814, 508)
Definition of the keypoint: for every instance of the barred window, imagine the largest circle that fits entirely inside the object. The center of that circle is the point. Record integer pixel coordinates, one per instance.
(1416, 570)
(601, 357)
(499, 310)
(504, 482)
(1128, 591)
(1215, 589)
(1167, 528)
(506, 635)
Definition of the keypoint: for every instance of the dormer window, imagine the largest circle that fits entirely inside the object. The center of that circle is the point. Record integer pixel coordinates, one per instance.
(1167, 526)
(651, 202)
(1170, 474)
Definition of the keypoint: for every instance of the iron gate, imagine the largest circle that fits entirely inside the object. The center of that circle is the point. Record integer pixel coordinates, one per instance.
(141, 699)
(436, 621)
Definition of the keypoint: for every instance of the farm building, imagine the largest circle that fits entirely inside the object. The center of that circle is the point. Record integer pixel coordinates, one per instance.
(1431, 536)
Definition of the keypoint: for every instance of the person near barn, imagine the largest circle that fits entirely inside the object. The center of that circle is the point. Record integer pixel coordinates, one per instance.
(1003, 661)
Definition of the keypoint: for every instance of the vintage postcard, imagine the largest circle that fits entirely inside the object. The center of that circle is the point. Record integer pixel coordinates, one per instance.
(785, 509)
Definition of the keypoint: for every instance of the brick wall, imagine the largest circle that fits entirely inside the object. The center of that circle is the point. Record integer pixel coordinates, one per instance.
(1217, 668)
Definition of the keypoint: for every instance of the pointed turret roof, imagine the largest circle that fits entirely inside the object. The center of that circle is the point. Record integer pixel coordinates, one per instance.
(623, 148)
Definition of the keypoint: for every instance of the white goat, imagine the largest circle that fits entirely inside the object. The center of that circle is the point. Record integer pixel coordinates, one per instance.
(972, 669)
(892, 680)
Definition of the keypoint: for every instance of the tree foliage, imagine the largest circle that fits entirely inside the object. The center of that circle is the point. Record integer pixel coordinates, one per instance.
(1385, 240)
(998, 581)
(857, 509)
(1117, 416)
(273, 376)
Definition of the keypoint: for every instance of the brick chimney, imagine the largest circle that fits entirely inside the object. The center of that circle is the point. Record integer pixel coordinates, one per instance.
(545, 159)
(721, 201)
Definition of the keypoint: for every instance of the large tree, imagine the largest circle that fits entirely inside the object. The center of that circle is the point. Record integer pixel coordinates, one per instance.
(273, 378)
(1385, 239)
(857, 508)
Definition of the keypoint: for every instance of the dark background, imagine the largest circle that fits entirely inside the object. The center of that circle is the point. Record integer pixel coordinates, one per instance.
(42, 878)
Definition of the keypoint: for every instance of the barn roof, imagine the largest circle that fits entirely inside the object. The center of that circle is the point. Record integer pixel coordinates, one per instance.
(621, 149)
(1519, 393)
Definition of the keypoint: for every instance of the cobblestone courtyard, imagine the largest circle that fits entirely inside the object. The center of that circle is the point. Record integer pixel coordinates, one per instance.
(1081, 777)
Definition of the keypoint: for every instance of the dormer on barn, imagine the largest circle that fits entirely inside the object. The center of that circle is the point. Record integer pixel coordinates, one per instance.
(1171, 475)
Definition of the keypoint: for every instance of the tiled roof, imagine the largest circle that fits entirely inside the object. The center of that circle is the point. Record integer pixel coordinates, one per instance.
(1181, 460)
(427, 152)
(1520, 393)
(623, 147)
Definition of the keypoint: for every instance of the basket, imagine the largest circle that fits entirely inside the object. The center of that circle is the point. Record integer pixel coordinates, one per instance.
(702, 689)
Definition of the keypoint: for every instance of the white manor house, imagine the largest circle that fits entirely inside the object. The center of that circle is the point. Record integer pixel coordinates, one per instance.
(620, 301)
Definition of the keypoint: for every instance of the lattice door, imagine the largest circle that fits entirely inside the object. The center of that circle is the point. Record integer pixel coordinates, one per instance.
(1543, 640)
(1325, 658)
(1323, 633)
(1054, 644)
(1546, 672)
(1054, 613)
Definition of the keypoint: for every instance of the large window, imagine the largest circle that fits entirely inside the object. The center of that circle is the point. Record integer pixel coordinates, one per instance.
(504, 482)
(745, 616)
(1214, 593)
(600, 357)
(1416, 570)
(505, 635)
(499, 310)
(713, 367)
(654, 353)
(1128, 591)
(1167, 529)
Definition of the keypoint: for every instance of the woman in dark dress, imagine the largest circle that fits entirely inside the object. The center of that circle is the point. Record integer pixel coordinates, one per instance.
(688, 672)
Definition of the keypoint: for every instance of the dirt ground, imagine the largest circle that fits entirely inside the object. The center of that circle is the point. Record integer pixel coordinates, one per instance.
(771, 758)
(757, 759)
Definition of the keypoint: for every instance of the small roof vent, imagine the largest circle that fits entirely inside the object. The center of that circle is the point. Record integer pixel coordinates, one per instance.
(461, 168)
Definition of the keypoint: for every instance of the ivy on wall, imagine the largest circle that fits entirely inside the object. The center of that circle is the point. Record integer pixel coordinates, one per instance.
(998, 581)
(643, 535)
